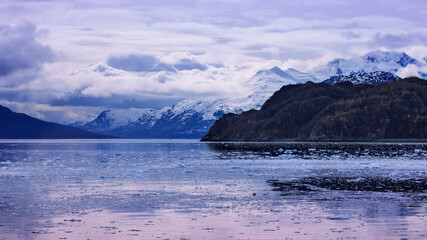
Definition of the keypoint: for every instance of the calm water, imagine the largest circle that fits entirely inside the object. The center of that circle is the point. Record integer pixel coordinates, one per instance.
(166, 189)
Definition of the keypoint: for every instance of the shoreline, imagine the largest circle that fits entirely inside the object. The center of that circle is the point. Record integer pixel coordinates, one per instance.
(394, 140)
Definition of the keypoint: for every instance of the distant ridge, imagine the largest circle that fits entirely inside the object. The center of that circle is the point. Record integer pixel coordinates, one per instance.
(21, 126)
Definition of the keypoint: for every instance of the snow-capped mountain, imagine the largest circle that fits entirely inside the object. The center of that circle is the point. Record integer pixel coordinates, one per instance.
(209, 109)
(188, 118)
(377, 61)
(364, 78)
(192, 118)
(263, 79)
(111, 119)
(265, 82)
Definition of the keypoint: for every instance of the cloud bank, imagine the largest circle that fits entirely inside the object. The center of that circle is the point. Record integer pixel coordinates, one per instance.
(147, 63)
(21, 55)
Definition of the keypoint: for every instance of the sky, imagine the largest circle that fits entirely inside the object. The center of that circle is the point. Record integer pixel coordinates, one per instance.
(66, 61)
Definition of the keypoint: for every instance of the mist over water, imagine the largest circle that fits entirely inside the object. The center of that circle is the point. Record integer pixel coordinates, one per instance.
(171, 189)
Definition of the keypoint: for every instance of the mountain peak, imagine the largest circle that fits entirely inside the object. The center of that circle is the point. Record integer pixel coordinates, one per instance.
(276, 69)
(376, 61)
(335, 62)
(289, 76)
(281, 73)
(401, 58)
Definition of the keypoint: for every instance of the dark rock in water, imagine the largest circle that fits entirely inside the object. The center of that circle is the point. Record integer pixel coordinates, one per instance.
(372, 184)
(323, 149)
(340, 112)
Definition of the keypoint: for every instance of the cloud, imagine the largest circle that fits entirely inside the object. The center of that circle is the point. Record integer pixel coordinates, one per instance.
(133, 62)
(100, 85)
(117, 101)
(188, 64)
(183, 61)
(283, 54)
(63, 114)
(350, 35)
(21, 55)
(409, 71)
(146, 63)
(400, 40)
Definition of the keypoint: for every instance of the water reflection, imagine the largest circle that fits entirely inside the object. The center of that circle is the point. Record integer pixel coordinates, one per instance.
(186, 189)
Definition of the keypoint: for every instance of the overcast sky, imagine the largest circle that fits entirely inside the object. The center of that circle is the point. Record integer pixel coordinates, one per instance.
(68, 60)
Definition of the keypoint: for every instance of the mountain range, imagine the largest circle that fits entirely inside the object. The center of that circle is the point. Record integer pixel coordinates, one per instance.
(192, 118)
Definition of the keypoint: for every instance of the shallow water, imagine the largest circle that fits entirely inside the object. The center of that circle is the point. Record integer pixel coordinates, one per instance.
(172, 189)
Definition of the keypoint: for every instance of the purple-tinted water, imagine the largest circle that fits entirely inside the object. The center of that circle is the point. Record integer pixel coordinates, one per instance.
(172, 189)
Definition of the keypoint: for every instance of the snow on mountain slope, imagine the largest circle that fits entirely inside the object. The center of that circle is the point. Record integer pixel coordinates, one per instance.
(265, 82)
(187, 118)
(364, 78)
(111, 119)
(193, 117)
(377, 61)
(259, 89)
(209, 108)
(275, 78)
(301, 77)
